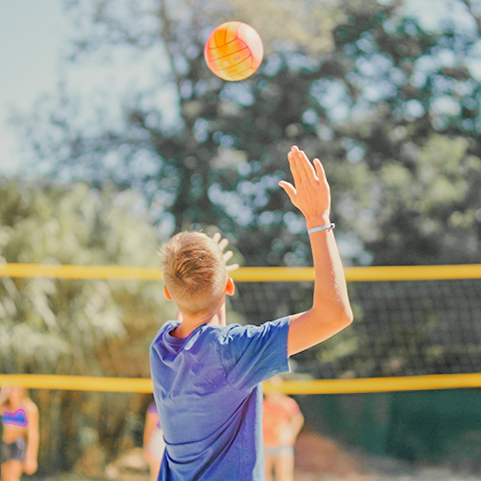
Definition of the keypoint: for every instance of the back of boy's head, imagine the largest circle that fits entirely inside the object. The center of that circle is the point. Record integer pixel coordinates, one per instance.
(195, 272)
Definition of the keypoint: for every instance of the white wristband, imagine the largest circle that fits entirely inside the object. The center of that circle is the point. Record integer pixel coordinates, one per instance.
(320, 228)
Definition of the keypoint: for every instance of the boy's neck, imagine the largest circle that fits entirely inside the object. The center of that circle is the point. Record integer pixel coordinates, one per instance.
(189, 324)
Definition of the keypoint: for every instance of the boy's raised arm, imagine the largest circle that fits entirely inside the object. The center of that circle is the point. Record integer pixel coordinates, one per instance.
(331, 311)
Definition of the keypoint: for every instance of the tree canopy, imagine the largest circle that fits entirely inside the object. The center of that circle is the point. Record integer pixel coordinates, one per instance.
(370, 90)
(77, 327)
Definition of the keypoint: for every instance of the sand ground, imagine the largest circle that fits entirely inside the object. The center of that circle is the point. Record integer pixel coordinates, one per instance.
(317, 459)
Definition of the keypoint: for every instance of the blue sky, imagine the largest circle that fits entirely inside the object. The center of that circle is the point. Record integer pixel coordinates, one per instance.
(30, 33)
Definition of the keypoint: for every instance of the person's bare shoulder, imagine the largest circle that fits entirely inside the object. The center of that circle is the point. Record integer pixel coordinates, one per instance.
(30, 406)
(290, 404)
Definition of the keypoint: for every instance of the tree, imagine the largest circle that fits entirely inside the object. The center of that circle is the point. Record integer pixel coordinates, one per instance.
(364, 94)
(390, 106)
(190, 168)
(77, 327)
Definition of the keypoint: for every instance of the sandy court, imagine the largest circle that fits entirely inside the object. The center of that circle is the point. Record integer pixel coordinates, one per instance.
(318, 458)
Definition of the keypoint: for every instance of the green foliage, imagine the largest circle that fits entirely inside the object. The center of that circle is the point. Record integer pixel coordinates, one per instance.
(370, 103)
(77, 327)
(426, 213)
(55, 325)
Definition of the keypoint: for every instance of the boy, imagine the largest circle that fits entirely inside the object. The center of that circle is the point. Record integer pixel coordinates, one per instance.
(207, 375)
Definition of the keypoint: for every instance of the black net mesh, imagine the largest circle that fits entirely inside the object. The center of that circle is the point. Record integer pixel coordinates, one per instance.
(401, 328)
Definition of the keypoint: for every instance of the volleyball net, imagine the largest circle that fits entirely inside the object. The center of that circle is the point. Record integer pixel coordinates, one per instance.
(415, 328)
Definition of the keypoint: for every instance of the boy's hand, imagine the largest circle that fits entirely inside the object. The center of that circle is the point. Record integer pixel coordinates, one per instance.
(222, 243)
(310, 192)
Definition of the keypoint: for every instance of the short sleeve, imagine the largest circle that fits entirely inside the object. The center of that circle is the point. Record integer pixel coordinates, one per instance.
(252, 354)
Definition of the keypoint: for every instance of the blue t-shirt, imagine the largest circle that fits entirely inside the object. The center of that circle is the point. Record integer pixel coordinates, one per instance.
(208, 394)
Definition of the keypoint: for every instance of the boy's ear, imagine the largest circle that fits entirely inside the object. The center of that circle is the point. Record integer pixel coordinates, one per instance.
(230, 287)
(167, 293)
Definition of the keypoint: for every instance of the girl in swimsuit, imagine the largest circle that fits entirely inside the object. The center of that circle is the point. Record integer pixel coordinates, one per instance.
(282, 421)
(19, 445)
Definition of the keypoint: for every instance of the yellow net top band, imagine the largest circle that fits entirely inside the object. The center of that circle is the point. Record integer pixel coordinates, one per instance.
(248, 274)
(323, 386)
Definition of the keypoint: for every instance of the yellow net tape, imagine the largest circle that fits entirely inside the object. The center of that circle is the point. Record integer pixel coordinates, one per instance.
(323, 386)
(79, 272)
(248, 274)
(380, 384)
(77, 383)
(251, 274)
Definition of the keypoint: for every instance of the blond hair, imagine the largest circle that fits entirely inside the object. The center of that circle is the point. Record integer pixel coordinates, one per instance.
(195, 272)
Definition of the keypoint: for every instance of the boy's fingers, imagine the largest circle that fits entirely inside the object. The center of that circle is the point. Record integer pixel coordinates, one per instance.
(306, 170)
(321, 174)
(216, 237)
(223, 244)
(289, 188)
(232, 267)
(300, 165)
(293, 165)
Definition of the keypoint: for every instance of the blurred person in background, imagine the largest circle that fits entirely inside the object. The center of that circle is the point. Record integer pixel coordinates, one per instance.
(153, 441)
(19, 448)
(282, 420)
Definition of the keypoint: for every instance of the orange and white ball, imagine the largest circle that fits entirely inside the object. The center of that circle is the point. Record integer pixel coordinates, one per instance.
(234, 51)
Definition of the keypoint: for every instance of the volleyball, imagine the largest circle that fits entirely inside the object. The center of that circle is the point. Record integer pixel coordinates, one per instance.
(233, 51)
